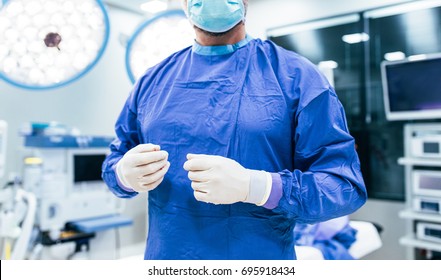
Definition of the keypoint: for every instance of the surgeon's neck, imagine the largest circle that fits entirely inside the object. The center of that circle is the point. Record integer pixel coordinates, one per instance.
(235, 35)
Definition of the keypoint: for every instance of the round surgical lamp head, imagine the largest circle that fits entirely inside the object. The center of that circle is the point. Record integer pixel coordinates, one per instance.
(50, 43)
(156, 39)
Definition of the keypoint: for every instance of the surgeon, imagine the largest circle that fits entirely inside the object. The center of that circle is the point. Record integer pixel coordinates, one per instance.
(235, 140)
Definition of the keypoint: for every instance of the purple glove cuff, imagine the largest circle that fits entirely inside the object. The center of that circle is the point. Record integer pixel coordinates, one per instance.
(276, 192)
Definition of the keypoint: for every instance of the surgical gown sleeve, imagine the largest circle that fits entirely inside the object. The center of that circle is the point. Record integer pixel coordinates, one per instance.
(326, 182)
(126, 138)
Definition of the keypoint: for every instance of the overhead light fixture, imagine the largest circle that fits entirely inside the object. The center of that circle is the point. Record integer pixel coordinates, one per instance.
(47, 44)
(329, 64)
(355, 38)
(394, 56)
(314, 25)
(417, 57)
(155, 39)
(154, 6)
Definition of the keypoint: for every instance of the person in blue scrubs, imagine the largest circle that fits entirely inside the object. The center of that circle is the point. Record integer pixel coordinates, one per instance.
(235, 140)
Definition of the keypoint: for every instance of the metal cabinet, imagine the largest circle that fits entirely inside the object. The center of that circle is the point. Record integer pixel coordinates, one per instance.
(422, 164)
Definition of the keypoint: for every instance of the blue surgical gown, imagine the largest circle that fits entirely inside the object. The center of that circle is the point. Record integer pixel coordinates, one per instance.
(261, 105)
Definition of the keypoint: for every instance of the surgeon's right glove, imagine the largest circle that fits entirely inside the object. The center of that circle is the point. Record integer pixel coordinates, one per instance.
(220, 180)
(142, 168)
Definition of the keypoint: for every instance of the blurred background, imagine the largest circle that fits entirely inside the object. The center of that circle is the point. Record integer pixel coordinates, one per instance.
(57, 113)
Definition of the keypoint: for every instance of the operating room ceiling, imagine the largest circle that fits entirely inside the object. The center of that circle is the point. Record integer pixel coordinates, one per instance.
(134, 5)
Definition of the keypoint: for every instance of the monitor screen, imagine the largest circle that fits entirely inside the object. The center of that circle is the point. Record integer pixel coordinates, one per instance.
(412, 89)
(88, 167)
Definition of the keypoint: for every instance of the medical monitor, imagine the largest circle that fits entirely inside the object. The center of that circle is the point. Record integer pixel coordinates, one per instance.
(84, 167)
(87, 168)
(75, 191)
(412, 88)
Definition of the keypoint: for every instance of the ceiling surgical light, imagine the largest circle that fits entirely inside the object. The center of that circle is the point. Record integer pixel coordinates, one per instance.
(394, 56)
(156, 39)
(50, 43)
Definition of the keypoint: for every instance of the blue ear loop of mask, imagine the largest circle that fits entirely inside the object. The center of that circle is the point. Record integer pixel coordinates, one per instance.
(215, 15)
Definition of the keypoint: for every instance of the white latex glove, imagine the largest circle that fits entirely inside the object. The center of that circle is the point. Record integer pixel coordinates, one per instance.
(221, 180)
(143, 168)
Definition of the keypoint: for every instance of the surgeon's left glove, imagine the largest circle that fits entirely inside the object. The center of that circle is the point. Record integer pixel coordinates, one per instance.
(221, 180)
(142, 168)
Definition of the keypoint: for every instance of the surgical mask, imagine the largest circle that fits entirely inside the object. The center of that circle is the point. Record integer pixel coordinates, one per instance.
(215, 15)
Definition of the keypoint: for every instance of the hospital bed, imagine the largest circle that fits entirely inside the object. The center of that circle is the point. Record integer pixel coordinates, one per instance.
(368, 240)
